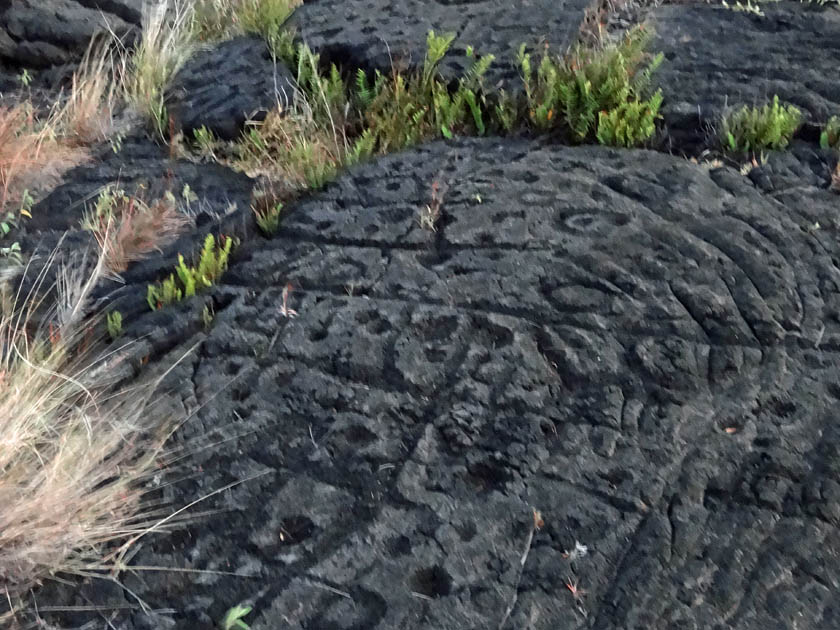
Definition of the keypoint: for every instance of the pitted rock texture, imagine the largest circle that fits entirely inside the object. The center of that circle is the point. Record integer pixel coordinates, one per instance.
(223, 87)
(381, 34)
(214, 198)
(141, 167)
(642, 349)
(717, 57)
(41, 33)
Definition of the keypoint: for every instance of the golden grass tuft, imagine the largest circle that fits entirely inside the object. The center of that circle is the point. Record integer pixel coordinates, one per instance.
(32, 157)
(76, 454)
(21, 150)
(293, 149)
(128, 229)
(37, 149)
(165, 45)
(87, 115)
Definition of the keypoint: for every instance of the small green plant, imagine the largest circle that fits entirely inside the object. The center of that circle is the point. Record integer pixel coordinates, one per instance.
(830, 136)
(753, 129)
(107, 202)
(233, 618)
(589, 87)
(116, 142)
(266, 18)
(186, 280)
(11, 251)
(629, 124)
(113, 323)
(188, 197)
(401, 111)
(207, 316)
(165, 45)
(25, 78)
(205, 142)
(268, 217)
(506, 110)
(747, 7)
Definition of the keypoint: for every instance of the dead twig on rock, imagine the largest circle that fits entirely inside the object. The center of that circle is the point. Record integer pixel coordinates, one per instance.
(574, 589)
(285, 311)
(577, 595)
(835, 179)
(430, 214)
(537, 525)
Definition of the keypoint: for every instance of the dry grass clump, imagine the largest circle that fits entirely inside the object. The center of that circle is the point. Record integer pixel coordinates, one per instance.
(170, 33)
(36, 149)
(21, 151)
(166, 44)
(32, 157)
(87, 114)
(296, 150)
(128, 229)
(75, 455)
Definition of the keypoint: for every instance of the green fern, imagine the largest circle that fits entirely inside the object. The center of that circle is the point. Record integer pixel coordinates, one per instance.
(753, 129)
(362, 148)
(830, 136)
(506, 111)
(524, 60)
(164, 294)
(113, 324)
(212, 263)
(187, 277)
(474, 76)
(644, 78)
(578, 103)
(364, 93)
(629, 124)
(476, 110)
(436, 48)
(588, 86)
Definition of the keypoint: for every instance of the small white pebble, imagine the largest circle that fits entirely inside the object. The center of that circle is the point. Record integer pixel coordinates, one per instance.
(578, 552)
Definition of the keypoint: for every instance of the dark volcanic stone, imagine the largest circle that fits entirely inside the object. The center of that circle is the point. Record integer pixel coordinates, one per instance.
(643, 349)
(716, 57)
(144, 168)
(223, 87)
(40, 33)
(374, 33)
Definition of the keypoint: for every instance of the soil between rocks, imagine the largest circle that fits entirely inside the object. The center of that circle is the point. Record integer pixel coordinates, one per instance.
(643, 349)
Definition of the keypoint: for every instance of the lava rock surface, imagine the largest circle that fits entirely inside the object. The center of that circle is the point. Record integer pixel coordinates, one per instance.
(718, 58)
(42, 33)
(224, 86)
(382, 34)
(642, 349)
(601, 393)
(141, 167)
